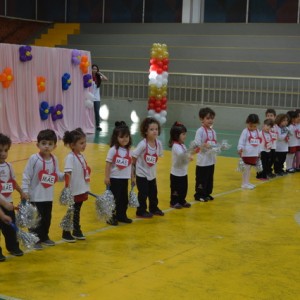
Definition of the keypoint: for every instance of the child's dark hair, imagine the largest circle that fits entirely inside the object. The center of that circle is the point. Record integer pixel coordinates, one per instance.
(292, 114)
(253, 119)
(5, 140)
(268, 122)
(47, 135)
(280, 118)
(145, 125)
(270, 111)
(176, 130)
(206, 111)
(120, 130)
(71, 137)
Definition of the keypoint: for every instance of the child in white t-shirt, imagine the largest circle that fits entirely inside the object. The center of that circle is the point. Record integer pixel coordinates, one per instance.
(249, 148)
(144, 159)
(39, 177)
(206, 138)
(118, 171)
(180, 160)
(78, 171)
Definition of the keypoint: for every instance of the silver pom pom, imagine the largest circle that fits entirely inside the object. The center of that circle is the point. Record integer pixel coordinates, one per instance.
(258, 166)
(241, 166)
(67, 221)
(105, 205)
(133, 199)
(28, 215)
(225, 145)
(66, 197)
(27, 239)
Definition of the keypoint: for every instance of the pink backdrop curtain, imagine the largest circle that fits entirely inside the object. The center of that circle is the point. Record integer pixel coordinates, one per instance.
(20, 103)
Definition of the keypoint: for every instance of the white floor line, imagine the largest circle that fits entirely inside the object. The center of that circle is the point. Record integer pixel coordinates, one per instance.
(141, 219)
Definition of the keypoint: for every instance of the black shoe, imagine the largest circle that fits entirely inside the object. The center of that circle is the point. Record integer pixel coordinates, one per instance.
(112, 221)
(99, 128)
(125, 220)
(2, 257)
(67, 237)
(17, 252)
(145, 215)
(271, 175)
(78, 235)
(158, 213)
(210, 198)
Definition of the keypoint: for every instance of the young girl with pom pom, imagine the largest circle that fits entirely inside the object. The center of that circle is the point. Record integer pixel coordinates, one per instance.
(249, 148)
(144, 159)
(78, 174)
(118, 171)
(180, 159)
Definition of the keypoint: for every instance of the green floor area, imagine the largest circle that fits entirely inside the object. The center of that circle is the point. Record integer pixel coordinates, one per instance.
(103, 137)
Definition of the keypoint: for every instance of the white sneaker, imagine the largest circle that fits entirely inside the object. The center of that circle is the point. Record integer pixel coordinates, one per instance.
(247, 187)
(253, 185)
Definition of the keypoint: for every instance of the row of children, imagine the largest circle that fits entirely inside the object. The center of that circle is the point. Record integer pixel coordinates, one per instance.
(122, 164)
(277, 143)
(139, 165)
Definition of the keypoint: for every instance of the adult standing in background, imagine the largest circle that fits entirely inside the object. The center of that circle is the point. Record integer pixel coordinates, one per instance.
(97, 79)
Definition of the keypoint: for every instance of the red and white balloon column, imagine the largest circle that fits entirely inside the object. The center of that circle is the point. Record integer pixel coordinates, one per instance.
(158, 82)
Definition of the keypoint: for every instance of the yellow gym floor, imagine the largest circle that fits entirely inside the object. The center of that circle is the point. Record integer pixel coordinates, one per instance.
(243, 245)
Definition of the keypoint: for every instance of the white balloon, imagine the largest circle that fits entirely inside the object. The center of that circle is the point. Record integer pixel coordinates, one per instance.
(152, 74)
(157, 117)
(159, 77)
(89, 103)
(162, 120)
(152, 81)
(89, 96)
(163, 113)
(151, 112)
(164, 81)
(164, 74)
(159, 84)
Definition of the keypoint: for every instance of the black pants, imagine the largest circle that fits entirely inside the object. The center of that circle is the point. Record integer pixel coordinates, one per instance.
(8, 232)
(279, 161)
(146, 189)
(272, 161)
(179, 187)
(97, 114)
(266, 164)
(204, 181)
(45, 211)
(119, 187)
(76, 218)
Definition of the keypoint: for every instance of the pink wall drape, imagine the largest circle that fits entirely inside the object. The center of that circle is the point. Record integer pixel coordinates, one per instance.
(20, 103)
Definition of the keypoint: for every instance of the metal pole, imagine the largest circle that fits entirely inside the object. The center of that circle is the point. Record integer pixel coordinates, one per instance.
(36, 9)
(66, 7)
(103, 10)
(5, 8)
(298, 14)
(247, 12)
(143, 12)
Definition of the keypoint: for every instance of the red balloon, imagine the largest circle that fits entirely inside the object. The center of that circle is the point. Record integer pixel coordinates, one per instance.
(164, 100)
(164, 107)
(152, 98)
(165, 67)
(157, 104)
(160, 63)
(153, 68)
(159, 70)
(165, 61)
(158, 109)
(150, 106)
